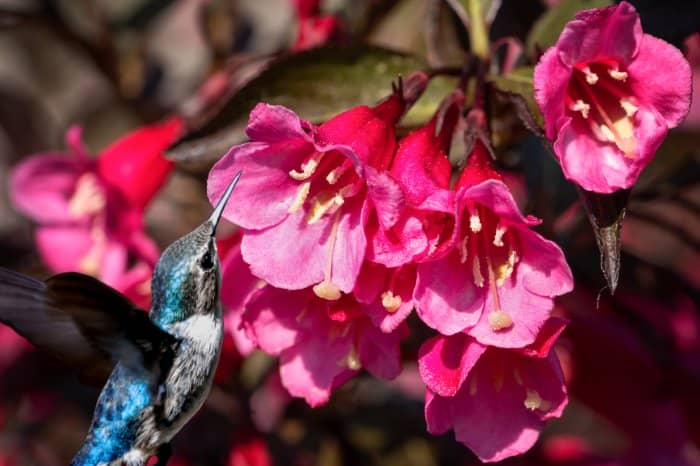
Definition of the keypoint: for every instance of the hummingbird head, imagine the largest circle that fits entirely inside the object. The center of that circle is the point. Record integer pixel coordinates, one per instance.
(187, 277)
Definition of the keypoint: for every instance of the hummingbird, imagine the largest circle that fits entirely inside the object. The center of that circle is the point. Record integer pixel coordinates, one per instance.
(162, 363)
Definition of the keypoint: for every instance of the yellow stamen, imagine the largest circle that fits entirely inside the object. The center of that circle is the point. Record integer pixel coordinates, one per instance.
(390, 302)
(499, 320)
(323, 203)
(300, 197)
(534, 401)
(327, 290)
(307, 168)
(505, 270)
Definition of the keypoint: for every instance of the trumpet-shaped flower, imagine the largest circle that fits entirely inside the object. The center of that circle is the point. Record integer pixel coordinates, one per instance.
(609, 93)
(308, 191)
(89, 211)
(426, 222)
(321, 343)
(499, 280)
(496, 400)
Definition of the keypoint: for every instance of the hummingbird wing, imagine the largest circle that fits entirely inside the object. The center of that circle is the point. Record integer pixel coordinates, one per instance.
(83, 322)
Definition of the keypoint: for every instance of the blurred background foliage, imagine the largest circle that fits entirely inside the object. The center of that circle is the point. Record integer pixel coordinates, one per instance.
(632, 360)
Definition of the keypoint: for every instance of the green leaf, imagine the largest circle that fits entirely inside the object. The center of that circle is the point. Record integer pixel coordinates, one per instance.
(548, 27)
(519, 82)
(316, 84)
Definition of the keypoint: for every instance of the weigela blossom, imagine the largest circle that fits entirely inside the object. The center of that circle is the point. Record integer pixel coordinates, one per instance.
(500, 277)
(321, 343)
(308, 191)
(89, 212)
(495, 400)
(609, 93)
(422, 168)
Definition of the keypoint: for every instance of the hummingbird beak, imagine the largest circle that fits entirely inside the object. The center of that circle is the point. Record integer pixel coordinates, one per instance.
(219, 209)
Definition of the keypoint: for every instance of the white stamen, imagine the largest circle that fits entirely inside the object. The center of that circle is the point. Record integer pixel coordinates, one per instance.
(591, 77)
(629, 108)
(476, 272)
(498, 236)
(582, 107)
(618, 75)
(463, 251)
(474, 223)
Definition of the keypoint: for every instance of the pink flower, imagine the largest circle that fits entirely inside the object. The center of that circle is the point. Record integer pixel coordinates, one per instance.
(321, 343)
(89, 212)
(308, 191)
(496, 400)
(314, 29)
(609, 93)
(237, 287)
(426, 222)
(498, 281)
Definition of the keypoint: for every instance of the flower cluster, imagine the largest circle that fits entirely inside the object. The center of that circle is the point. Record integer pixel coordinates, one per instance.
(89, 212)
(346, 231)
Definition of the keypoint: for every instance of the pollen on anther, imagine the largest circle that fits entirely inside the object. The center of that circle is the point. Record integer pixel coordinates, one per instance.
(629, 108)
(534, 401)
(591, 77)
(353, 361)
(474, 223)
(390, 302)
(582, 107)
(300, 197)
(499, 320)
(327, 290)
(618, 75)
(498, 236)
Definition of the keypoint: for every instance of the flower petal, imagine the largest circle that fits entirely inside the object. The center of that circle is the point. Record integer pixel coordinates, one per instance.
(379, 352)
(309, 369)
(446, 297)
(660, 76)
(551, 78)
(265, 191)
(41, 186)
(445, 362)
(63, 247)
(286, 264)
(272, 315)
(611, 32)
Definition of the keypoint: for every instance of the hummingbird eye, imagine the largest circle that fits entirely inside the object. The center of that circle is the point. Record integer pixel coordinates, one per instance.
(206, 262)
